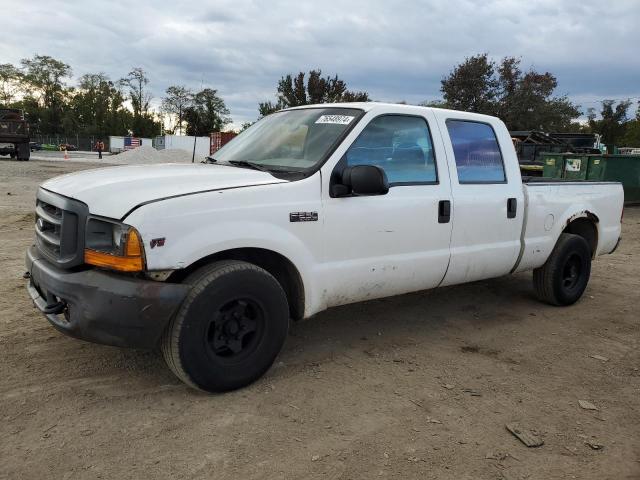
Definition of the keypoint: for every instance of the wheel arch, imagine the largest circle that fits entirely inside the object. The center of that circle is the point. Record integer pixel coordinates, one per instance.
(282, 269)
(584, 224)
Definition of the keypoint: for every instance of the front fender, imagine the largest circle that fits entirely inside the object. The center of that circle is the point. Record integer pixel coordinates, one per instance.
(208, 240)
(198, 226)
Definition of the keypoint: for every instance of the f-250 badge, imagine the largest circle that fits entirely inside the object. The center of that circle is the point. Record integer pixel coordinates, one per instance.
(303, 217)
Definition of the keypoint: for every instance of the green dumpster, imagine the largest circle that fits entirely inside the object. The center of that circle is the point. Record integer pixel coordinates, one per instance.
(618, 168)
(595, 169)
(605, 168)
(552, 165)
(575, 167)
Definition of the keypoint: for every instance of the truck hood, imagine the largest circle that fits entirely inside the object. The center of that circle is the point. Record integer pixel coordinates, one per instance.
(114, 191)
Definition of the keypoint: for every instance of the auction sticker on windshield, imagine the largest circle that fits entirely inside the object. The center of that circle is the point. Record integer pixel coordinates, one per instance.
(335, 119)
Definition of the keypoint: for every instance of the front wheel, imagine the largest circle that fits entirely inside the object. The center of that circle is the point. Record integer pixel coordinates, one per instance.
(230, 328)
(564, 277)
(23, 151)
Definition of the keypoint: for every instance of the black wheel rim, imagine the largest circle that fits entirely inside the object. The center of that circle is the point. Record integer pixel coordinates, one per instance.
(571, 272)
(235, 329)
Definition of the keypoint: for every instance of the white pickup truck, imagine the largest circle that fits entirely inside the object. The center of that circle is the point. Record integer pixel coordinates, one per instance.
(309, 208)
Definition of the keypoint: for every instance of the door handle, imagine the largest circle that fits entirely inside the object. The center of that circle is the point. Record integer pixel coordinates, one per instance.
(444, 211)
(512, 207)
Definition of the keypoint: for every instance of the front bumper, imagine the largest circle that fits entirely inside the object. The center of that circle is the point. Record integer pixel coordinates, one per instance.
(102, 307)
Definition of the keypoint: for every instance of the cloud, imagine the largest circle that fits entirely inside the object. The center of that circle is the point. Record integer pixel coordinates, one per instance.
(396, 50)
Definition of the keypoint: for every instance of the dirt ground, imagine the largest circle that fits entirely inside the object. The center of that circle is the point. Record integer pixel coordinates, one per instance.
(417, 386)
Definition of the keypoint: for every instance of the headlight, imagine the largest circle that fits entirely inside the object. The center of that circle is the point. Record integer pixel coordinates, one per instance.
(113, 245)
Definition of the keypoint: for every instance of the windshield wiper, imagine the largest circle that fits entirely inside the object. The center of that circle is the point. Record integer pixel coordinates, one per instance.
(209, 160)
(256, 166)
(246, 164)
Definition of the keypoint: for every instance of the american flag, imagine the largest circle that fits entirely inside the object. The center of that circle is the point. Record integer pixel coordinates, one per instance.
(131, 142)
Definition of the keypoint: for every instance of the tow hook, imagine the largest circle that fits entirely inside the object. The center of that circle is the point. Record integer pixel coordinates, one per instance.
(55, 308)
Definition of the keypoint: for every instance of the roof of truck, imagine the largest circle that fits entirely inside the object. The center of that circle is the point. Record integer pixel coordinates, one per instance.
(368, 106)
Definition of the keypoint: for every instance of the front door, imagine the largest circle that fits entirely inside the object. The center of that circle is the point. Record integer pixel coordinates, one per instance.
(382, 245)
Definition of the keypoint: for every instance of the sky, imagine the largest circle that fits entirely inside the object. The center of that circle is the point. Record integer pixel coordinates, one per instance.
(395, 50)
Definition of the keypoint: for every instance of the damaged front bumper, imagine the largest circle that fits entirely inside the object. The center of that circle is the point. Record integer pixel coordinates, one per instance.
(102, 307)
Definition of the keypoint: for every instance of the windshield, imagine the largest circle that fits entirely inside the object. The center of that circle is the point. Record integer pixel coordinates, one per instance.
(293, 140)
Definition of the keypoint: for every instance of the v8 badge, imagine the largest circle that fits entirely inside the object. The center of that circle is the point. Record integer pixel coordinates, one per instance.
(157, 242)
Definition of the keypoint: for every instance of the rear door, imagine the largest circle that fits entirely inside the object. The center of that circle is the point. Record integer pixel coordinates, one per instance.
(488, 204)
(383, 245)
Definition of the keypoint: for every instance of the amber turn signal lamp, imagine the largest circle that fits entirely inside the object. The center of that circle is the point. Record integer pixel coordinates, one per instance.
(131, 261)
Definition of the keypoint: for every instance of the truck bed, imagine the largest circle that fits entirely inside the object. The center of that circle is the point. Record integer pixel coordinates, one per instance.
(530, 180)
(551, 204)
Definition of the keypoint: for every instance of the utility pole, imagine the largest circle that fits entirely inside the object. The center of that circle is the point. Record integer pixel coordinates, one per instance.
(195, 138)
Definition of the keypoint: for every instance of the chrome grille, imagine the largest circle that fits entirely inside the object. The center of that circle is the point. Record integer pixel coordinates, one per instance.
(60, 228)
(49, 227)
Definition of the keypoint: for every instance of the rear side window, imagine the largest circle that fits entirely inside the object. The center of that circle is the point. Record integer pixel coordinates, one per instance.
(477, 153)
(399, 144)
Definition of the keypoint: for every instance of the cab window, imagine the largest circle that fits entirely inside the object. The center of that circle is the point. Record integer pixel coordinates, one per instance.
(399, 144)
(476, 151)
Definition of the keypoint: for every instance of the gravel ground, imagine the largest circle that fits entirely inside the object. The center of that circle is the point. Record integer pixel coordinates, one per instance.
(417, 386)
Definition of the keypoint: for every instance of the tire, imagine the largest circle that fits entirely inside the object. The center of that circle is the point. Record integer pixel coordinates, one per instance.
(23, 151)
(565, 275)
(204, 344)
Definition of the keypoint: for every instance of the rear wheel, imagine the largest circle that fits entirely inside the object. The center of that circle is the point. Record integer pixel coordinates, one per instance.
(230, 328)
(565, 275)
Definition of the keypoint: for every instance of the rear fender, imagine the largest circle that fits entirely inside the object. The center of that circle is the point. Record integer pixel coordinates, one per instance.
(586, 224)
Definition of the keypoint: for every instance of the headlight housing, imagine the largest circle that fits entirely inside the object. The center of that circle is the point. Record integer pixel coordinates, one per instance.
(113, 245)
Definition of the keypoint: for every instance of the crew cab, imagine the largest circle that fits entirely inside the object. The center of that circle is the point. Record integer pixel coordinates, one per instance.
(309, 208)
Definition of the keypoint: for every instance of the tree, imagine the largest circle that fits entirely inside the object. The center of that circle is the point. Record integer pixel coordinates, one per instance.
(43, 77)
(631, 136)
(120, 118)
(137, 81)
(207, 113)
(144, 124)
(292, 92)
(10, 78)
(34, 114)
(244, 126)
(435, 104)
(472, 86)
(613, 121)
(178, 99)
(98, 107)
(524, 101)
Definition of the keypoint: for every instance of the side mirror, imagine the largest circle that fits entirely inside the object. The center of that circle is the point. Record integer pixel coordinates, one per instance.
(363, 180)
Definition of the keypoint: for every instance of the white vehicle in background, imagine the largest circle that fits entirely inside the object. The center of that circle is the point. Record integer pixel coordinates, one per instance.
(309, 208)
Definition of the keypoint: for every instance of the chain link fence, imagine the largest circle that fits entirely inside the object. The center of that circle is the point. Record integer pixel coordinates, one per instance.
(84, 143)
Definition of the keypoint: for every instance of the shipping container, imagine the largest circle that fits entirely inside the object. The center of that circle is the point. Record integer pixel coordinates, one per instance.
(116, 144)
(219, 140)
(183, 142)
